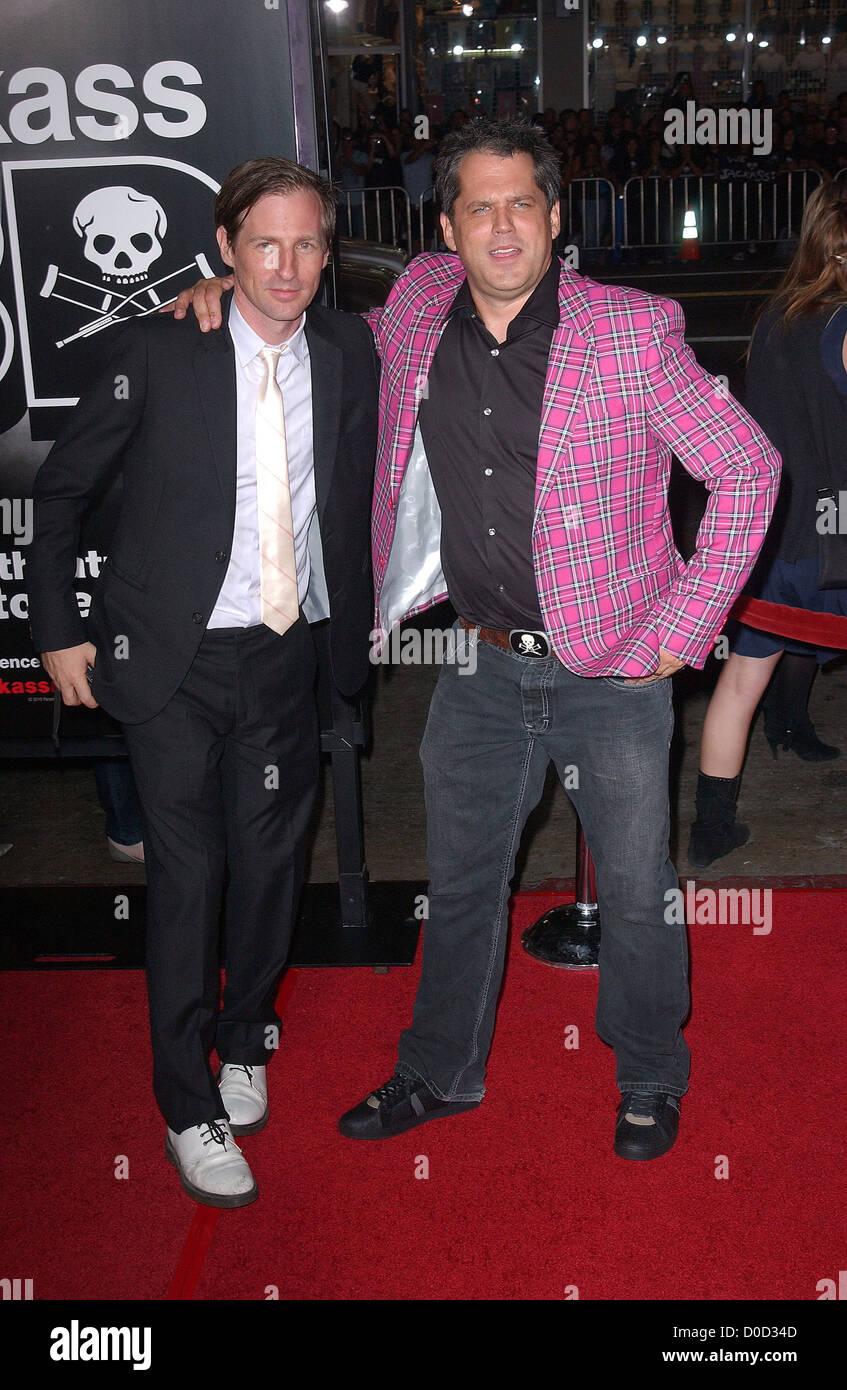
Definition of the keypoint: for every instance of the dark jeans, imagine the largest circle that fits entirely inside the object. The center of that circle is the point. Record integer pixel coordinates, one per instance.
(118, 798)
(227, 774)
(489, 739)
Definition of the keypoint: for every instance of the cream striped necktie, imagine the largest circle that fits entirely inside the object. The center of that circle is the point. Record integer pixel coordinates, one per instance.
(278, 567)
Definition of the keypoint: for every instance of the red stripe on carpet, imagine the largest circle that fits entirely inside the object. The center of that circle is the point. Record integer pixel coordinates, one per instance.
(202, 1228)
(194, 1252)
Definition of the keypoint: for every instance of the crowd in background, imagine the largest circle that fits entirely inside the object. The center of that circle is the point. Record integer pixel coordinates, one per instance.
(384, 149)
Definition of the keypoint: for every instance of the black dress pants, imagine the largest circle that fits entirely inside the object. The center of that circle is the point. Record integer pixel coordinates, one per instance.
(226, 775)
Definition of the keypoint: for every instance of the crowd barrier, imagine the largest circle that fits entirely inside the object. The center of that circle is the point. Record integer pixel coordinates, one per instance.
(648, 213)
(376, 214)
(728, 210)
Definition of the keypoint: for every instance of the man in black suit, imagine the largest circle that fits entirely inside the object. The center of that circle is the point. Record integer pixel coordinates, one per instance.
(246, 457)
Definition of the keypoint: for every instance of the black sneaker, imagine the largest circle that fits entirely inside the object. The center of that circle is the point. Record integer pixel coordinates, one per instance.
(646, 1125)
(397, 1106)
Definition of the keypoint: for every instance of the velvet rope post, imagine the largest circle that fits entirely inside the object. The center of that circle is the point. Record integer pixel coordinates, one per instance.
(799, 624)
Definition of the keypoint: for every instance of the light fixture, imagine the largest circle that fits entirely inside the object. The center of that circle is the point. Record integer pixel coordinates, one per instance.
(458, 50)
(467, 11)
(731, 37)
(763, 43)
(661, 38)
(749, 38)
(336, 6)
(516, 47)
(826, 39)
(597, 43)
(538, 81)
(641, 40)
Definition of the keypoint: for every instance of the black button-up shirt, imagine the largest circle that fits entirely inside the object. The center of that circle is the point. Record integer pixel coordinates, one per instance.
(480, 418)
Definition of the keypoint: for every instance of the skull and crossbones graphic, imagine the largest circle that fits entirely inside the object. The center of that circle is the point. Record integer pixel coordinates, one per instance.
(122, 232)
(529, 645)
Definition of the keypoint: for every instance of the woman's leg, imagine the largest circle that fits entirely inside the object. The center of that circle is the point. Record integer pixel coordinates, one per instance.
(740, 687)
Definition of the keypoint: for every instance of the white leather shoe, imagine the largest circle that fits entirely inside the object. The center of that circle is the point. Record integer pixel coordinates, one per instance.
(211, 1167)
(244, 1092)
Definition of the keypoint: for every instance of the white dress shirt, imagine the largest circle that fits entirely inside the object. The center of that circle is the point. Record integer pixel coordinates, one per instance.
(239, 601)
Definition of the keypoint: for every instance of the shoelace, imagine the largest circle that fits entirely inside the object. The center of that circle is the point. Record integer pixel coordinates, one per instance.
(642, 1104)
(217, 1134)
(394, 1089)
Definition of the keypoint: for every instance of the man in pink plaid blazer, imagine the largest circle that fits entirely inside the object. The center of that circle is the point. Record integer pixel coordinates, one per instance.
(527, 422)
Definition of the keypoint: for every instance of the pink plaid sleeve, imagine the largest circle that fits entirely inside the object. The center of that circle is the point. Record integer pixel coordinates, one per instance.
(372, 318)
(718, 443)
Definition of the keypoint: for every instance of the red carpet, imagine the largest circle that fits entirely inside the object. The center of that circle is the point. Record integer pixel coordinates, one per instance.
(524, 1197)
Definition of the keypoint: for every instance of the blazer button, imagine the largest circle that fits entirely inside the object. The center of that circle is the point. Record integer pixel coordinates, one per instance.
(197, 617)
(220, 556)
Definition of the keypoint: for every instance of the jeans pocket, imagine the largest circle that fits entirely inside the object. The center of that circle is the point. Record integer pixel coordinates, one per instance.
(623, 683)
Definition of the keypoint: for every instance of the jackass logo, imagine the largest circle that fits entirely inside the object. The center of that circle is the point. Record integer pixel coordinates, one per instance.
(94, 243)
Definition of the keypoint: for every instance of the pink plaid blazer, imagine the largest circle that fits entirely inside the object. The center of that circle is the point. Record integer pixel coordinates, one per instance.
(622, 393)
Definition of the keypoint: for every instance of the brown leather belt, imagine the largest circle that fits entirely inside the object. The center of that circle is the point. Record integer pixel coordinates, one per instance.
(510, 640)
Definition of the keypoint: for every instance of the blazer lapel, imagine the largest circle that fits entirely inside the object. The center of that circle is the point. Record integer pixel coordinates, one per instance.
(327, 364)
(214, 370)
(571, 361)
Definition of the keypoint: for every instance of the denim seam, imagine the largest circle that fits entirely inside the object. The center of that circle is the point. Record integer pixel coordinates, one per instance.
(409, 1072)
(648, 1088)
(495, 940)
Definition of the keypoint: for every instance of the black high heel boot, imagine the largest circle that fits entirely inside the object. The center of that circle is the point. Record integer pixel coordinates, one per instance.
(800, 739)
(714, 832)
(786, 722)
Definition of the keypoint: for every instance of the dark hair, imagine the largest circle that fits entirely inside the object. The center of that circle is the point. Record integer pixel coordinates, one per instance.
(817, 275)
(503, 138)
(247, 183)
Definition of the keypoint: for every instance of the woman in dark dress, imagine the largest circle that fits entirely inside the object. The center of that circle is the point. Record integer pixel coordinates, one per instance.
(797, 391)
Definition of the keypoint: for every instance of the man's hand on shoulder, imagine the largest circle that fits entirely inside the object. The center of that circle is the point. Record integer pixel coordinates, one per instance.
(68, 670)
(204, 298)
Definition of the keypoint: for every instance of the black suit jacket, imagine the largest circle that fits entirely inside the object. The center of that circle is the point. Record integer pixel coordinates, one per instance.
(164, 413)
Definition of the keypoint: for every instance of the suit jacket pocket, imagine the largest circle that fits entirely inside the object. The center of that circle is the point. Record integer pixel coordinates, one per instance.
(125, 578)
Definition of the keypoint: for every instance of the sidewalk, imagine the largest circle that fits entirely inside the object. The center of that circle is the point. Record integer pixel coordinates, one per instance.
(797, 811)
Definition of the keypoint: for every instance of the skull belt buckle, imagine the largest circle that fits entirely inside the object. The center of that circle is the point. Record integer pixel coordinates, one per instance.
(524, 643)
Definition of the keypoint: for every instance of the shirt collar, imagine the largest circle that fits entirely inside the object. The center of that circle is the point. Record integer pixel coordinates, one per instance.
(542, 305)
(248, 344)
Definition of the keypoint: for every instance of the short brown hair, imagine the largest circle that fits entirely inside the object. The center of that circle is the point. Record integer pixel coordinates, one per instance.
(247, 183)
(503, 138)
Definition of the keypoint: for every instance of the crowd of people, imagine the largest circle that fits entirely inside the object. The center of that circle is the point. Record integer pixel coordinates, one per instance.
(621, 146)
(386, 150)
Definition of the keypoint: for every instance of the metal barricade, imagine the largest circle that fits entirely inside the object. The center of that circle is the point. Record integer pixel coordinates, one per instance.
(376, 214)
(728, 210)
(429, 228)
(587, 210)
(648, 213)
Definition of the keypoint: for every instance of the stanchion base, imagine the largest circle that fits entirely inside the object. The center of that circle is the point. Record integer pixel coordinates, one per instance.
(567, 937)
